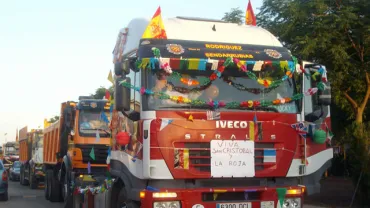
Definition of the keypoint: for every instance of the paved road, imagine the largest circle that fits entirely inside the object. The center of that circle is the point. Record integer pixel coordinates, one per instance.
(22, 196)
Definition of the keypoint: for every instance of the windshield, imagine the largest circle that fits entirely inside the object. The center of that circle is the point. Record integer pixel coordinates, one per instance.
(233, 86)
(91, 122)
(17, 164)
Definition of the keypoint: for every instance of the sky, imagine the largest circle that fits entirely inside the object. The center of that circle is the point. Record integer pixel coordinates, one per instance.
(55, 51)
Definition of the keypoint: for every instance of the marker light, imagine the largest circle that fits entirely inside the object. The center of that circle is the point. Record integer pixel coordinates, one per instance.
(164, 195)
(294, 191)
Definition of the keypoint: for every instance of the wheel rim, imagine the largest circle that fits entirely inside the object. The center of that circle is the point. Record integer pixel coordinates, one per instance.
(65, 191)
(123, 205)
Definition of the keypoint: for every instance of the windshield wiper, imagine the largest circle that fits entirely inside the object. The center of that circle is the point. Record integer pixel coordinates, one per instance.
(107, 132)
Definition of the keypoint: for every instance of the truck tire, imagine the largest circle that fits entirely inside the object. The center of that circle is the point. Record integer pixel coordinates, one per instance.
(123, 201)
(32, 179)
(46, 186)
(54, 187)
(4, 196)
(66, 187)
(21, 177)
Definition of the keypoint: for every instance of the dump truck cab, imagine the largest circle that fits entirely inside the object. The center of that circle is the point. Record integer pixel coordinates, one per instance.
(76, 145)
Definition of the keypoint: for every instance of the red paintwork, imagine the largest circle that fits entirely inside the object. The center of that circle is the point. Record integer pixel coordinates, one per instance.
(190, 197)
(174, 136)
(287, 142)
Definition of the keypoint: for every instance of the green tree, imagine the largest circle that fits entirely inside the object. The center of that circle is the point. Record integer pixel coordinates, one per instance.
(100, 92)
(236, 15)
(332, 32)
(335, 33)
(53, 119)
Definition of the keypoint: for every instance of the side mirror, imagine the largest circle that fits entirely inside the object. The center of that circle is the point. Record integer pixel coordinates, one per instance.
(132, 64)
(325, 96)
(123, 68)
(122, 95)
(120, 68)
(314, 116)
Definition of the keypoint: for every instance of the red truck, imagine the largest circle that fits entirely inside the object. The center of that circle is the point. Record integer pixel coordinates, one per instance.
(215, 114)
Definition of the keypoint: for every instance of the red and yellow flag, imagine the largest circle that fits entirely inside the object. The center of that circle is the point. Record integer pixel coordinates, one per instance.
(155, 29)
(250, 19)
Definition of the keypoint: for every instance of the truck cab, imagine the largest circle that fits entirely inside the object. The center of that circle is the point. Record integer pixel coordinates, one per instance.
(76, 145)
(215, 114)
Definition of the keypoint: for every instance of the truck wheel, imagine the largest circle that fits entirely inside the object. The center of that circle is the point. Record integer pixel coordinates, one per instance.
(54, 187)
(21, 178)
(33, 182)
(4, 196)
(66, 188)
(46, 186)
(124, 202)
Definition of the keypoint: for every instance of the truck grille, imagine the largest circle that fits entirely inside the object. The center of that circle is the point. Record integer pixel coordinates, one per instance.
(200, 155)
(100, 151)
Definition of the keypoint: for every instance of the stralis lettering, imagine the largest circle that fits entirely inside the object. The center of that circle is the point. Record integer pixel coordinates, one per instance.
(231, 124)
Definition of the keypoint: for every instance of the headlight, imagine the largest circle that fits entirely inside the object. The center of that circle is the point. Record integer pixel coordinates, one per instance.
(170, 204)
(292, 203)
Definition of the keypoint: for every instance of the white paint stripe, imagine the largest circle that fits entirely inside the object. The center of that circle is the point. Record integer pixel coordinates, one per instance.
(315, 162)
(146, 150)
(269, 159)
(148, 115)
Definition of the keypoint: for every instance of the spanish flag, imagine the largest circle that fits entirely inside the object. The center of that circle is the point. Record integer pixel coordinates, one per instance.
(250, 19)
(155, 29)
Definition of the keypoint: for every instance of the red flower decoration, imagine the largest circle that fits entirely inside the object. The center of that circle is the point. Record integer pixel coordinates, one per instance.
(213, 77)
(256, 103)
(244, 104)
(221, 69)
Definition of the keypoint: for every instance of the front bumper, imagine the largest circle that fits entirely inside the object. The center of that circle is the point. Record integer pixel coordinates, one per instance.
(248, 197)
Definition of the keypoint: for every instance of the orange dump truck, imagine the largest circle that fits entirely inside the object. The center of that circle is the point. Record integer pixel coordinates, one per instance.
(31, 157)
(76, 147)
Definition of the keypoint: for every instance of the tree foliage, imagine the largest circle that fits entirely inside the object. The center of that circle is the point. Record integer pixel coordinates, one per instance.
(335, 33)
(53, 119)
(100, 92)
(236, 15)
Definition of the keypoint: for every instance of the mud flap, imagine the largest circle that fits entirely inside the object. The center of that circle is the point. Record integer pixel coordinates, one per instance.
(70, 202)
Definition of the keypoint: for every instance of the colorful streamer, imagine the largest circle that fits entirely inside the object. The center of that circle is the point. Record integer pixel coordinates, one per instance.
(219, 104)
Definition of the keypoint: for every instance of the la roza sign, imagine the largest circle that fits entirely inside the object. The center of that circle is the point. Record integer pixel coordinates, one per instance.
(232, 158)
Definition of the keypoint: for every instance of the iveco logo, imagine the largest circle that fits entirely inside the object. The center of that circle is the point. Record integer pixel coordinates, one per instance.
(231, 124)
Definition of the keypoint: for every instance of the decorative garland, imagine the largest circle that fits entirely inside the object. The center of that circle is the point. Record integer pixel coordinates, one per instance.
(221, 104)
(241, 87)
(152, 63)
(94, 189)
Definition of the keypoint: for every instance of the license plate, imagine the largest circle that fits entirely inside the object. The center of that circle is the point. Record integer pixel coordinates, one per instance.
(267, 204)
(235, 205)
